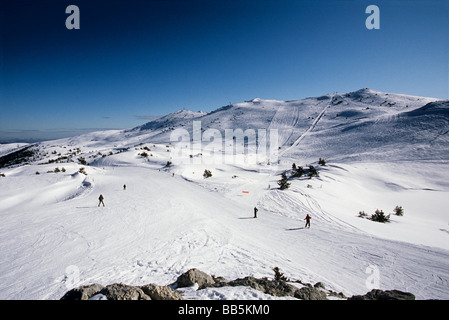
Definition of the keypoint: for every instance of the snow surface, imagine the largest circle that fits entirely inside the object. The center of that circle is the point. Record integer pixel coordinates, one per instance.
(382, 150)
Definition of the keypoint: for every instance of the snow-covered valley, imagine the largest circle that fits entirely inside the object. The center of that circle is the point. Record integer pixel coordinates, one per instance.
(381, 150)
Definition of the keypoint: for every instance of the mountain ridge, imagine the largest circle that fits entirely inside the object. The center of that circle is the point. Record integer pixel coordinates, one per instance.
(364, 110)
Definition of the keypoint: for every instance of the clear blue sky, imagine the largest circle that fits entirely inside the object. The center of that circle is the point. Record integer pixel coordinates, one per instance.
(134, 59)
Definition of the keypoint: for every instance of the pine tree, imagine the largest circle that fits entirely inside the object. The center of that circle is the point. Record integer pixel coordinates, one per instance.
(362, 214)
(399, 211)
(312, 171)
(380, 216)
(279, 276)
(297, 172)
(283, 183)
(207, 173)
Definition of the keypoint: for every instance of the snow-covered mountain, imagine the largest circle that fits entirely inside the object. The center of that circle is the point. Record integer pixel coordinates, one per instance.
(381, 150)
(370, 119)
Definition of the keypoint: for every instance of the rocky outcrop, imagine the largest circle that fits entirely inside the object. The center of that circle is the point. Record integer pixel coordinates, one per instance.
(83, 292)
(377, 294)
(119, 291)
(310, 293)
(116, 291)
(278, 288)
(156, 292)
(271, 287)
(193, 276)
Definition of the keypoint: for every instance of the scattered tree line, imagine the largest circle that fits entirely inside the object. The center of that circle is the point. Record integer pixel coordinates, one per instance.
(298, 172)
(379, 215)
(54, 171)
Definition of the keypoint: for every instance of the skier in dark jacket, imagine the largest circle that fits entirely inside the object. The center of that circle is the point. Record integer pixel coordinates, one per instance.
(255, 212)
(307, 218)
(101, 198)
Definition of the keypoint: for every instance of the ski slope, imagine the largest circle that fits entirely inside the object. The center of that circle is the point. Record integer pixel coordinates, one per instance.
(54, 237)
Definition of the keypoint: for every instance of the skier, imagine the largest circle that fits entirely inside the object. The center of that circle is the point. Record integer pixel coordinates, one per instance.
(255, 212)
(307, 218)
(101, 198)
(124, 187)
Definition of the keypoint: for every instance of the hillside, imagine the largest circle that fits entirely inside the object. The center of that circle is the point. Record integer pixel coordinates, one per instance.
(381, 149)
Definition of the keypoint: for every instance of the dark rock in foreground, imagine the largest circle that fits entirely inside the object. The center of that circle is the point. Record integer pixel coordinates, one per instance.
(377, 294)
(278, 288)
(119, 291)
(193, 276)
(156, 292)
(83, 292)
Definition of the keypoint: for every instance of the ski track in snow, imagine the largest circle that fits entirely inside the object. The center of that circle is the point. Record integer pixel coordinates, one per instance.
(137, 241)
(312, 126)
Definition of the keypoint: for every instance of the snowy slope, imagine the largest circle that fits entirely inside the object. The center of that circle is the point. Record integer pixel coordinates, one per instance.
(10, 147)
(382, 150)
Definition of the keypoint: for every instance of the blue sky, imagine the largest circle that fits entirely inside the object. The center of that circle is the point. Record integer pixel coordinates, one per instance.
(131, 60)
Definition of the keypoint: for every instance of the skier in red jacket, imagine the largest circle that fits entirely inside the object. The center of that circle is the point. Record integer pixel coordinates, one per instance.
(307, 218)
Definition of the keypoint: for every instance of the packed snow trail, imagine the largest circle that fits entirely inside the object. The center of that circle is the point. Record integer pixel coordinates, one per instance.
(305, 134)
(162, 225)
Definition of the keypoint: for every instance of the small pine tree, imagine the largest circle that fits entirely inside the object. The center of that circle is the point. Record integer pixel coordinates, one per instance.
(362, 214)
(279, 276)
(207, 173)
(82, 161)
(312, 171)
(283, 183)
(298, 172)
(399, 211)
(379, 216)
